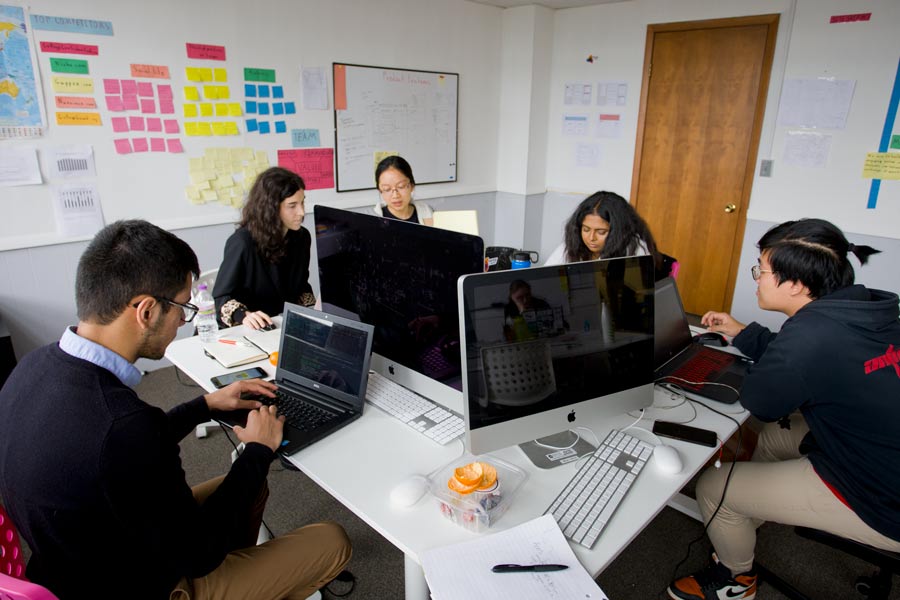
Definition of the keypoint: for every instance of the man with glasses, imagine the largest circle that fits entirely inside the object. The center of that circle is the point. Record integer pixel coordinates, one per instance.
(91, 475)
(827, 386)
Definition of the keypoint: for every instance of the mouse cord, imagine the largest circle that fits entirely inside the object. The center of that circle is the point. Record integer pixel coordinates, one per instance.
(237, 452)
(577, 439)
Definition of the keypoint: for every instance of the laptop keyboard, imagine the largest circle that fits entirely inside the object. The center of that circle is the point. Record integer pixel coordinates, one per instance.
(703, 366)
(299, 413)
(431, 420)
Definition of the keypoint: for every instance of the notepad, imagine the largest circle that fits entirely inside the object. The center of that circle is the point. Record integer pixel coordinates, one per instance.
(464, 570)
(267, 341)
(240, 352)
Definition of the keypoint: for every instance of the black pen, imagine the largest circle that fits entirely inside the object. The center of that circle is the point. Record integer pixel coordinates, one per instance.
(527, 568)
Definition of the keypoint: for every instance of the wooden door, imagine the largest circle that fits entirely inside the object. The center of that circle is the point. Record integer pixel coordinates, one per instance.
(702, 103)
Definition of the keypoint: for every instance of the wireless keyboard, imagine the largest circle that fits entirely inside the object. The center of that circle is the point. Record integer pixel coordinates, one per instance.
(432, 420)
(588, 501)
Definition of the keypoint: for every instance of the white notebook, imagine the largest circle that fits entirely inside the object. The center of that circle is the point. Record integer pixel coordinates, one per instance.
(267, 341)
(234, 351)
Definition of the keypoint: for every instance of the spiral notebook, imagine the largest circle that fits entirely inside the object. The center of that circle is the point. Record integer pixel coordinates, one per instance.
(234, 351)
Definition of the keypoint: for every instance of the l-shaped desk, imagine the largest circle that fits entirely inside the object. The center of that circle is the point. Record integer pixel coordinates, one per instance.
(361, 463)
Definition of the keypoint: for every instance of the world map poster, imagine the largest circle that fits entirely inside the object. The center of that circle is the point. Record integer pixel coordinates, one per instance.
(21, 102)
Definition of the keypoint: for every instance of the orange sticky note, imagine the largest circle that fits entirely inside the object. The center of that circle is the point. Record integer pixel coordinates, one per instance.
(77, 118)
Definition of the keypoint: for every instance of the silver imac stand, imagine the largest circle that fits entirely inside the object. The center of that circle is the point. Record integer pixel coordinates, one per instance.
(557, 449)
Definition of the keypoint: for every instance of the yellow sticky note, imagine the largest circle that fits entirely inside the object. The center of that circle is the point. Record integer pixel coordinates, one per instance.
(197, 176)
(246, 153)
(190, 128)
(220, 74)
(191, 93)
(209, 161)
(223, 92)
(190, 110)
(262, 158)
(234, 109)
(231, 128)
(195, 164)
(73, 85)
(203, 128)
(218, 128)
(223, 181)
(205, 74)
(209, 195)
(210, 92)
(206, 109)
(192, 74)
(221, 110)
(221, 154)
(882, 165)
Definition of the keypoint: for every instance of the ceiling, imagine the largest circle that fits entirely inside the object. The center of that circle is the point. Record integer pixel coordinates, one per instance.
(547, 3)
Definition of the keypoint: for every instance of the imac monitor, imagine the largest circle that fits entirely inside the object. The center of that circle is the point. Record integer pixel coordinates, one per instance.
(400, 277)
(547, 349)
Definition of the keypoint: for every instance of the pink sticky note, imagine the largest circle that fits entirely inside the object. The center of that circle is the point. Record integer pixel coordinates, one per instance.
(111, 86)
(123, 146)
(114, 103)
(148, 105)
(136, 123)
(174, 145)
(130, 102)
(120, 124)
(140, 144)
(166, 106)
(154, 124)
(157, 145)
(164, 91)
(145, 88)
(129, 86)
(172, 126)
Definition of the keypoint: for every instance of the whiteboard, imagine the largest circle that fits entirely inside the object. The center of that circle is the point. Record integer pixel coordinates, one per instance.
(380, 111)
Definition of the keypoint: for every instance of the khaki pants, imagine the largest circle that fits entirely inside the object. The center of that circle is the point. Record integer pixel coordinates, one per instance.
(777, 485)
(291, 566)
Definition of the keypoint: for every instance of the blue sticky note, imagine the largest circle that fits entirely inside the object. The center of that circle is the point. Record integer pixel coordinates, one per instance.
(250, 107)
(264, 127)
(251, 125)
(277, 91)
(250, 90)
(263, 91)
(290, 108)
(280, 127)
(305, 138)
(263, 108)
(278, 108)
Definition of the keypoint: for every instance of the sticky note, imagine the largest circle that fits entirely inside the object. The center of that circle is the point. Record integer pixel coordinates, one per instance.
(174, 145)
(223, 92)
(130, 102)
(171, 126)
(263, 91)
(204, 128)
(145, 88)
(120, 124)
(231, 128)
(157, 145)
(234, 109)
(206, 109)
(251, 125)
(250, 107)
(280, 127)
(263, 108)
(218, 128)
(277, 91)
(114, 103)
(221, 110)
(191, 93)
(205, 74)
(191, 128)
(278, 108)
(123, 146)
(220, 74)
(148, 105)
(190, 110)
(140, 144)
(290, 108)
(264, 127)
(136, 123)
(111, 86)
(129, 86)
(154, 124)
(250, 90)
(192, 74)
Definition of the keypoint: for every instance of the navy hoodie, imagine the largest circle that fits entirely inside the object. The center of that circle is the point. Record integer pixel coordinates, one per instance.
(836, 360)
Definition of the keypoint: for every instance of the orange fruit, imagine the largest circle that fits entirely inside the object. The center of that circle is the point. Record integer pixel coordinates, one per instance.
(470, 474)
(489, 477)
(460, 488)
(273, 358)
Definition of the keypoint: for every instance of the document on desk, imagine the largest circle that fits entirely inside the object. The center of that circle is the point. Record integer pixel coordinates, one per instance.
(463, 571)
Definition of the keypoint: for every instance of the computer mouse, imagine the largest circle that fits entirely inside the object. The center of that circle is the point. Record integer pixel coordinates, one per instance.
(667, 459)
(711, 338)
(268, 327)
(408, 491)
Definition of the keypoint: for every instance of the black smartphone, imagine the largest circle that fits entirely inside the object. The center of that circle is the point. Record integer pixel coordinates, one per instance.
(677, 431)
(221, 381)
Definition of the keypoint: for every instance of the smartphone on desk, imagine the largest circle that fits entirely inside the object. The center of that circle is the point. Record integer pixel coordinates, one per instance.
(221, 381)
(678, 431)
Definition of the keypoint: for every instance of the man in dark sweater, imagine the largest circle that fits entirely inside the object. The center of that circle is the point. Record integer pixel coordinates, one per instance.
(91, 475)
(827, 385)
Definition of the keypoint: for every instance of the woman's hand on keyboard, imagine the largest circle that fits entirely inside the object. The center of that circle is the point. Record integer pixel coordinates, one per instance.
(229, 397)
(264, 426)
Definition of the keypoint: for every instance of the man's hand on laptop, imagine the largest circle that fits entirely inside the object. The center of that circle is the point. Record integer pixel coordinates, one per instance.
(264, 426)
(722, 323)
(229, 397)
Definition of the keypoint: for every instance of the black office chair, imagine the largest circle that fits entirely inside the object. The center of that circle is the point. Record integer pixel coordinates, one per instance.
(874, 587)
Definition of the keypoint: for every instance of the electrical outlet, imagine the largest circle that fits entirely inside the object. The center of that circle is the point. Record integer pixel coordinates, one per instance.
(765, 168)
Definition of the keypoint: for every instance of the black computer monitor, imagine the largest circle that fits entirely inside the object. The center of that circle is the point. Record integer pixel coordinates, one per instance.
(547, 348)
(400, 277)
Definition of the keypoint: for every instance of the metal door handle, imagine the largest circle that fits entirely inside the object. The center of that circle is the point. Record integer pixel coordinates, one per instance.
(730, 208)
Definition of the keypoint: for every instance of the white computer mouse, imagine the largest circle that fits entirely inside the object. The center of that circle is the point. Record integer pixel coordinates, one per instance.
(667, 459)
(408, 491)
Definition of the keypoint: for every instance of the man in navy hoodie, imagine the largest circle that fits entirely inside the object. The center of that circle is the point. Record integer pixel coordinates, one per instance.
(91, 474)
(828, 387)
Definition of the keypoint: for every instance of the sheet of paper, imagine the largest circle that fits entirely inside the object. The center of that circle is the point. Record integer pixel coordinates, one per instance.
(575, 125)
(587, 155)
(77, 209)
(69, 162)
(609, 126)
(807, 149)
(612, 93)
(815, 103)
(315, 92)
(464, 570)
(578, 94)
(19, 166)
(314, 165)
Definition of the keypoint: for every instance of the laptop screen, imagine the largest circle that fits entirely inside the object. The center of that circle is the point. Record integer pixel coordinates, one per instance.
(673, 333)
(329, 353)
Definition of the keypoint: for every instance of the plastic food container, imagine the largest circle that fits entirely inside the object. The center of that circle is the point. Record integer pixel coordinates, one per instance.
(477, 510)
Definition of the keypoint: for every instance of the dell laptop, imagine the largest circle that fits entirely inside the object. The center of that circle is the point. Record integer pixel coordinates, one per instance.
(323, 369)
(679, 361)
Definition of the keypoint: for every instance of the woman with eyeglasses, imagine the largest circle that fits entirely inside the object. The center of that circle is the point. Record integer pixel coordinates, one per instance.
(396, 184)
(266, 260)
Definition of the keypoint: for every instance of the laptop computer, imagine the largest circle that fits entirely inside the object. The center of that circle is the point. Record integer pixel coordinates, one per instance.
(322, 373)
(679, 358)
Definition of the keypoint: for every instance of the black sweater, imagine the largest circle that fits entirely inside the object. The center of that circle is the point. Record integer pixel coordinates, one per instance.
(92, 478)
(836, 361)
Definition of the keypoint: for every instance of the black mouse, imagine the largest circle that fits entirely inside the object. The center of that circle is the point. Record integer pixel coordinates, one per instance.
(711, 338)
(268, 327)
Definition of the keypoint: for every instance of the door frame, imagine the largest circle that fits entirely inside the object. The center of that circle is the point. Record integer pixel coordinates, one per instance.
(771, 21)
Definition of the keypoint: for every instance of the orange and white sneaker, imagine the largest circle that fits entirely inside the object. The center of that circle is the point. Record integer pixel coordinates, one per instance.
(715, 582)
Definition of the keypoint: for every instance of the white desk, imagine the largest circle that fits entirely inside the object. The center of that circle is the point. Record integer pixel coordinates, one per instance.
(360, 463)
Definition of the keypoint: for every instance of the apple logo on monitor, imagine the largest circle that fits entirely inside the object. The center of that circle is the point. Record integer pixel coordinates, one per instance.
(391, 369)
(571, 416)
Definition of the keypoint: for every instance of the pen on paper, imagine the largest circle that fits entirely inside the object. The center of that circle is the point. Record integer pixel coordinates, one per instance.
(231, 342)
(527, 568)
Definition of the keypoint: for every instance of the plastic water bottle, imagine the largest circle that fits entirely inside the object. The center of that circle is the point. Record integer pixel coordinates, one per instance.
(206, 316)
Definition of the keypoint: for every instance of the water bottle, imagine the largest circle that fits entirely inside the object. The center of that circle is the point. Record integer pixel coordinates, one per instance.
(206, 316)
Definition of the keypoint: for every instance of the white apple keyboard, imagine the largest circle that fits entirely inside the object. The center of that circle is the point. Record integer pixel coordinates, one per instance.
(428, 418)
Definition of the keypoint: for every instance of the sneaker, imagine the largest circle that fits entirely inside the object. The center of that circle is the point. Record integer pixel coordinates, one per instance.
(715, 582)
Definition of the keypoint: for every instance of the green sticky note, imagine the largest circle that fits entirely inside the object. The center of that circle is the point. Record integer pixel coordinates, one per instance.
(895, 142)
(69, 65)
(251, 74)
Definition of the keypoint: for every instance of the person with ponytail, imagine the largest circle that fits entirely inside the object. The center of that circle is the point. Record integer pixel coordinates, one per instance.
(828, 388)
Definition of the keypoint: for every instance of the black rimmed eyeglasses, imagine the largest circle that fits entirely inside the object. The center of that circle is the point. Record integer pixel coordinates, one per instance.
(189, 311)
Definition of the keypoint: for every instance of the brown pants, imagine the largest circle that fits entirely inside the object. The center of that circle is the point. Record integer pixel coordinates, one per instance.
(291, 566)
(778, 485)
